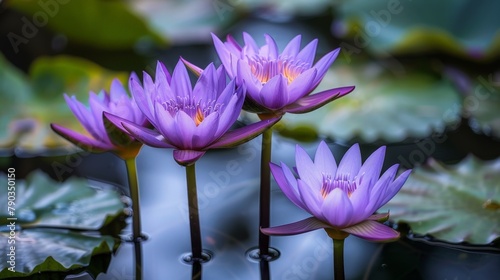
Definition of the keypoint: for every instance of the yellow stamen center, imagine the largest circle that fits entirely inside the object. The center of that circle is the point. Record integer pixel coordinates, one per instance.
(199, 117)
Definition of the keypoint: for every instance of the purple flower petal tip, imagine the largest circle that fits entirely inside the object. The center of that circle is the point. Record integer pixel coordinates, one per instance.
(186, 157)
(299, 227)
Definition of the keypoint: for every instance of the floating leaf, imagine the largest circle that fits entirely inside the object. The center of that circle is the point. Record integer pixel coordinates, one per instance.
(49, 221)
(40, 201)
(468, 28)
(482, 105)
(186, 21)
(459, 203)
(25, 122)
(290, 7)
(105, 24)
(38, 251)
(384, 106)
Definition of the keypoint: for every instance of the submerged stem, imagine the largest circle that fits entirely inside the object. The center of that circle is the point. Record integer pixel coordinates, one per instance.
(338, 259)
(194, 220)
(134, 195)
(265, 191)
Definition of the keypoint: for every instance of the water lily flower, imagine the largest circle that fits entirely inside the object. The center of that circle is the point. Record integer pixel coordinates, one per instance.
(191, 120)
(277, 83)
(343, 198)
(103, 136)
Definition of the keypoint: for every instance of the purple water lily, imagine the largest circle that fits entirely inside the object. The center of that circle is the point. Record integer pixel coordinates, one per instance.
(104, 137)
(190, 120)
(341, 198)
(277, 83)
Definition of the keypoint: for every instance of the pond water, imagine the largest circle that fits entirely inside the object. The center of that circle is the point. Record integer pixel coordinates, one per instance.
(228, 191)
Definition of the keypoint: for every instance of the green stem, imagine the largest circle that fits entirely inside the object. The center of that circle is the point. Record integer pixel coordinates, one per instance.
(194, 220)
(338, 259)
(134, 195)
(265, 190)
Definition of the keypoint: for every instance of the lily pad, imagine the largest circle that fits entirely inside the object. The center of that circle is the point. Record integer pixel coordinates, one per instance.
(186, 21)
(482, 105)
(459, 203)
(467, 28)
(104, 24)
(384, 106)
(52, 222)
(290, 7)
(39, 251)
(37, 100)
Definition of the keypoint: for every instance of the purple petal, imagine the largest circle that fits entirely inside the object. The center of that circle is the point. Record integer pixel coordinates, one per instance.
(181, 84)
(224, 55)
(324, 160)
(229, 115)
(315, 101)
(311, 198)
(292, 48)
(308, 52)
(351, 163)
(377, 193)
(205, 131)
(246, 77)
(244, 134)
(373, 231)
(270, 48)
(185, 129)
(369, 173)
(142, 100)
(289, 187)
(337, 208)
(395, 186)
(206, 86)
(187, 157)
(162, 78)
(274, 93)
(323, 64)
(82, 141)
(116, 132)
(250, 43)
(83, 115)
(165, 124)
(307, 170)
(193, 68)
(301, 86)
(381, 217)
(299, 227)
(117, 90)
(146, 135)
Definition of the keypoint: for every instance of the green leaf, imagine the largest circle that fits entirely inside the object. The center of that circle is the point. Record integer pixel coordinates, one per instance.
(287, 7)
(186, 21)
(55, 224)
(39, 251)
(105, 24)
(383, 107)
(459, 203)
(25, 122)
(482, 105)
(467, 28)
(41, 201)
